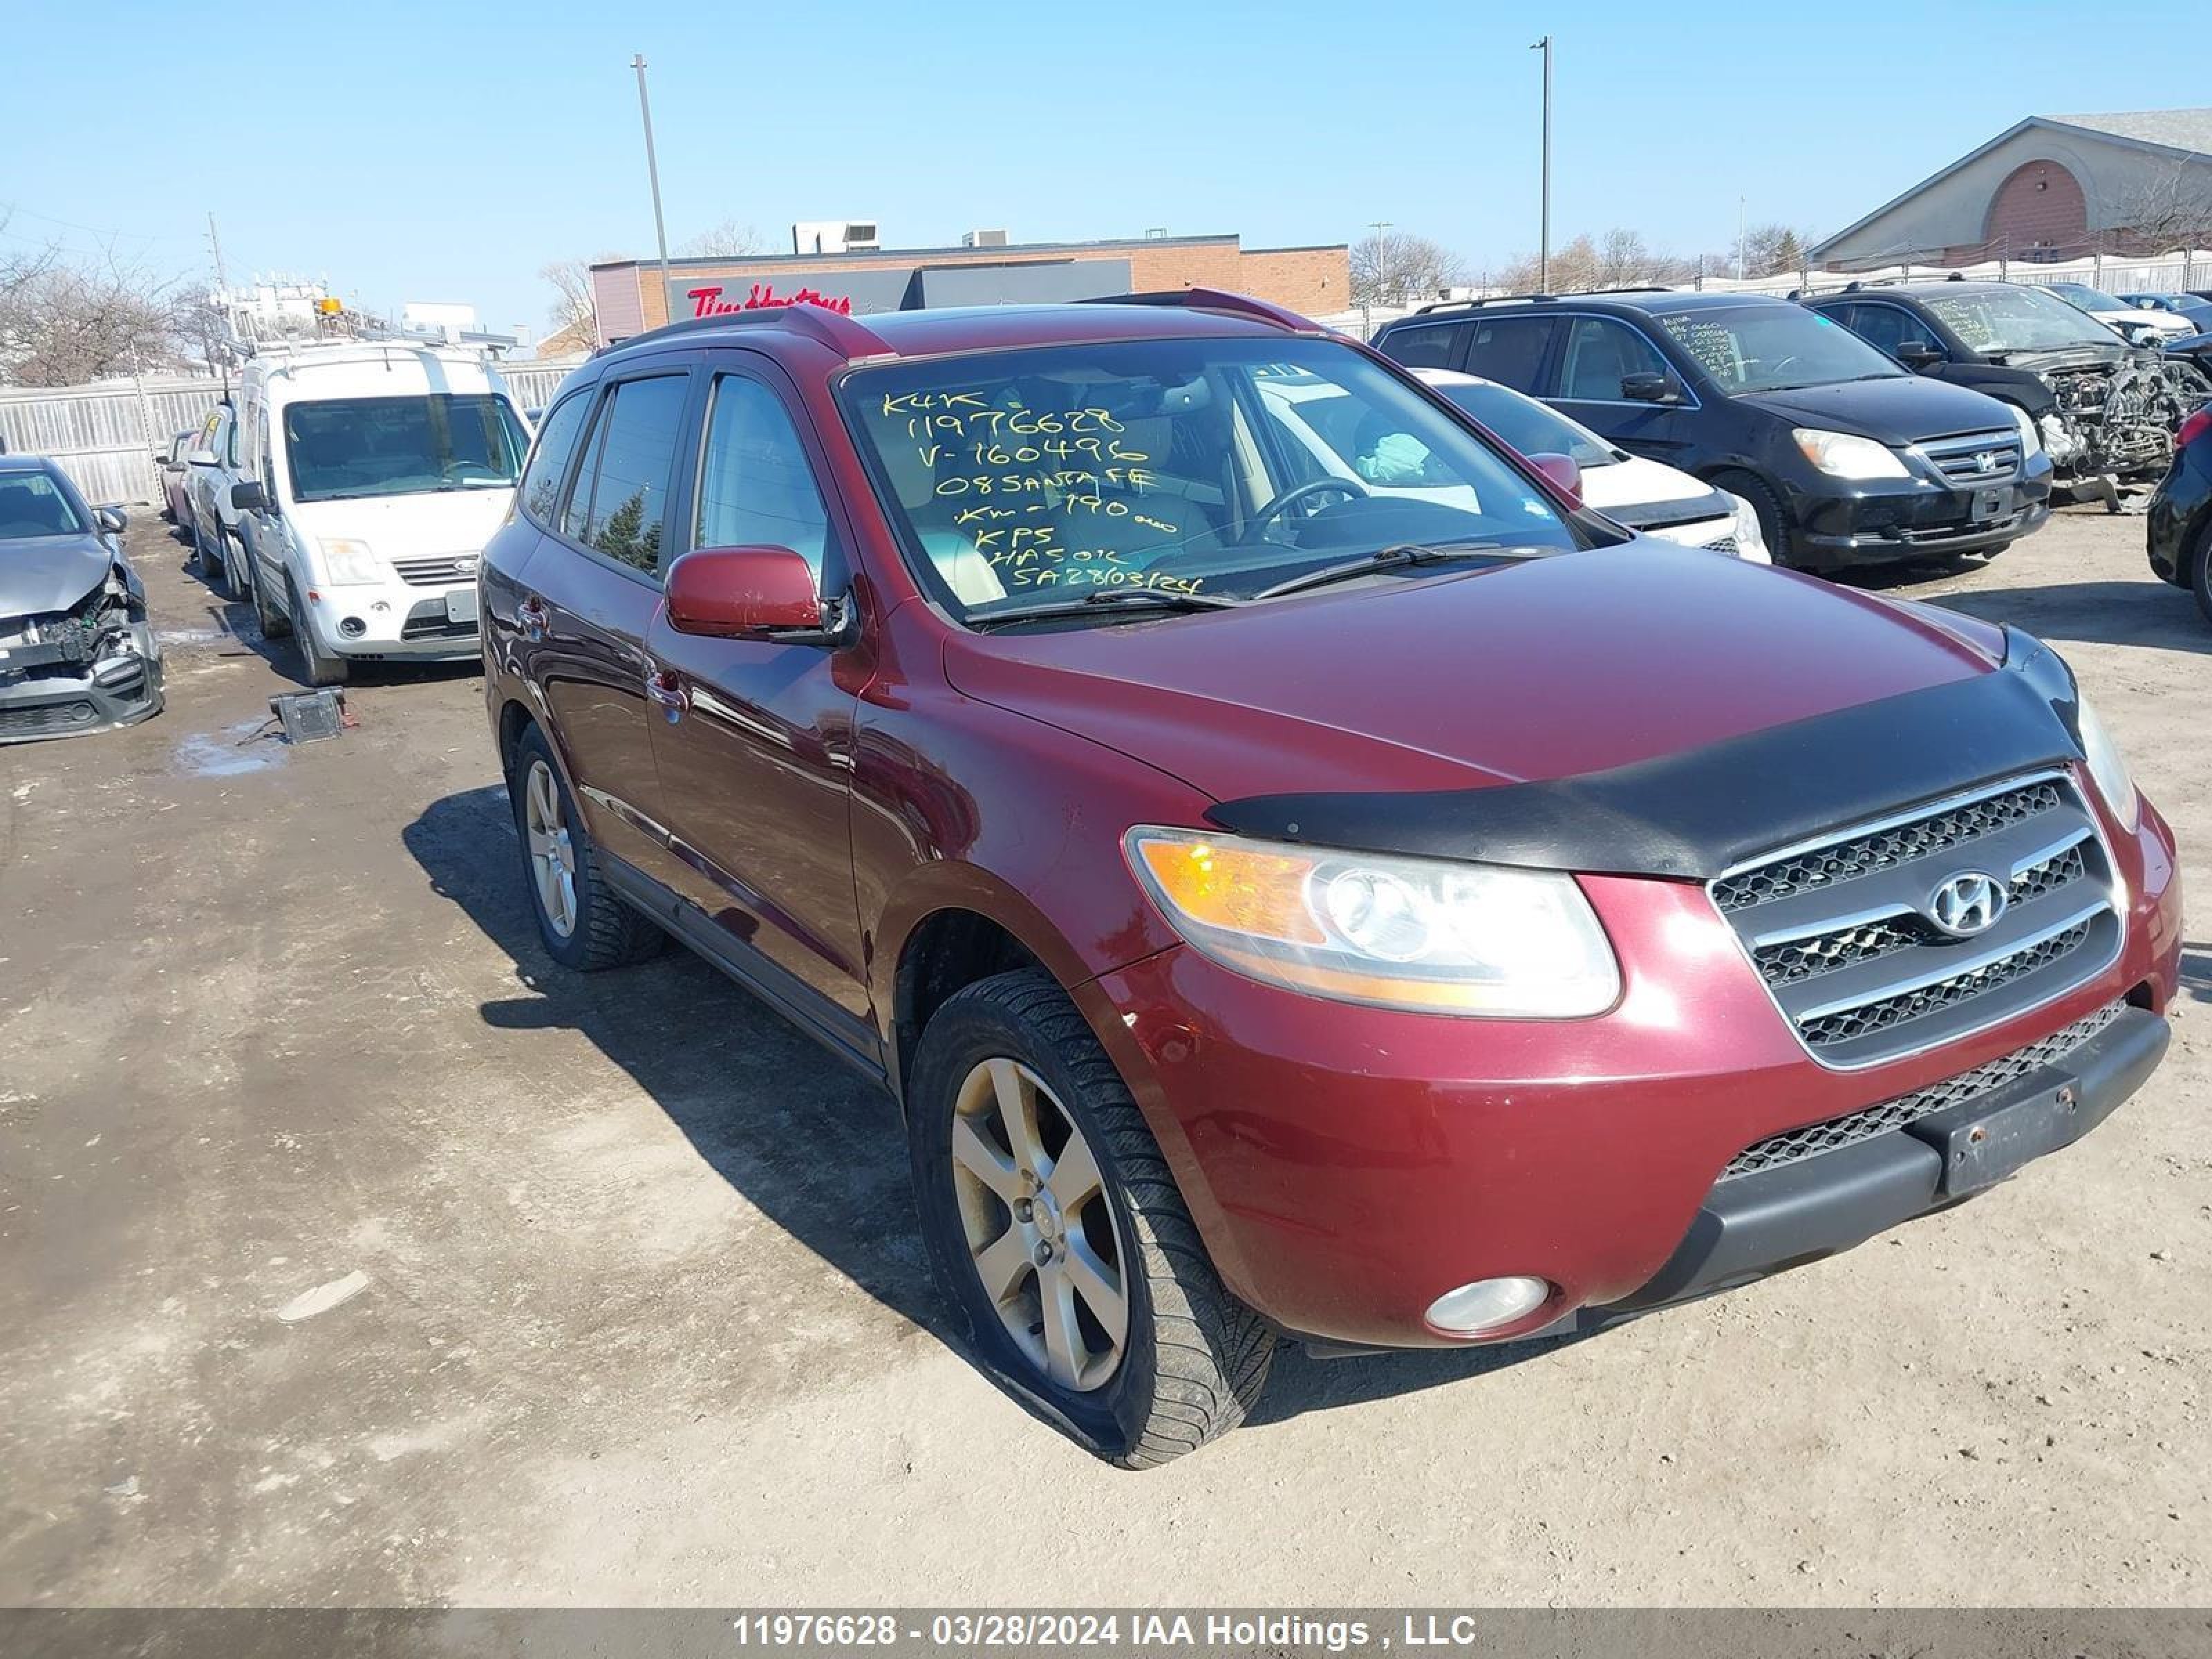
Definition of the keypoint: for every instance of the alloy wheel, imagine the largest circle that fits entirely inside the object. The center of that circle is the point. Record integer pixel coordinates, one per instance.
(1040, 1231)
(552, 852)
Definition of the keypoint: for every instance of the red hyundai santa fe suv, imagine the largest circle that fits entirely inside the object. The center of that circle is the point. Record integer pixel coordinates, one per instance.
(1300, 873)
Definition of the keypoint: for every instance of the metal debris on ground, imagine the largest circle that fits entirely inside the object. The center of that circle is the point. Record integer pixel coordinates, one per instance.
(311, 716)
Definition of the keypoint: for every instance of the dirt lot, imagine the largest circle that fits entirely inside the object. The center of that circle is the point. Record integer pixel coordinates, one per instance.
(646, 1320)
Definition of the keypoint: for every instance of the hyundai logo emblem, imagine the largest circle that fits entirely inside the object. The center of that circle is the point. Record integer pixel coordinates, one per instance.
(1967, 904)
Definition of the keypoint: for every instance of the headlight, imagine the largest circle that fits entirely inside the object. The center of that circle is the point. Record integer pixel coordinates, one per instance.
(1422, 934)
(348, 563)
(2030, 439)
(1840, 455)
(2107, 769)
(1750, 539)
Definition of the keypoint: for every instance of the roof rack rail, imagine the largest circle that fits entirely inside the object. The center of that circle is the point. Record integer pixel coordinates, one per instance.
(855, 340)
(1471, 305)
(1214, 299)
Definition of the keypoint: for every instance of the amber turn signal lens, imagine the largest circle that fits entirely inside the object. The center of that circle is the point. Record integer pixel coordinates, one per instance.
(1235, 889)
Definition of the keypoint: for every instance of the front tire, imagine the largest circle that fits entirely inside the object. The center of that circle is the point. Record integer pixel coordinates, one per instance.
(1773, 527)
(581, 923)
(2200, 579)
(317, 665)
(1057, 1231)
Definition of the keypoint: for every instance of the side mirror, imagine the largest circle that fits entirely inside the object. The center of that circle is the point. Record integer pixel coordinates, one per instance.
(747, 593)
(1562, 474)
(1650, 388)
(249, 497)
(113, 519)
(200, 457)
(1918, 356)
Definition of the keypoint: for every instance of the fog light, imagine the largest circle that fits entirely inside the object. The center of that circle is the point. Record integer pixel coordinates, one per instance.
(1487, 1303)
(352, 628)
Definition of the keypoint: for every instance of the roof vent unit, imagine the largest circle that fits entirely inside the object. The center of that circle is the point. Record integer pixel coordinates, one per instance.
(983, 238)
(835, 236)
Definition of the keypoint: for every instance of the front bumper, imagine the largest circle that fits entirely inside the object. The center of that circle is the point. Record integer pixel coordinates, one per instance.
(117, 690)
(1348, 1166)
(396, 620)
(1904, 519)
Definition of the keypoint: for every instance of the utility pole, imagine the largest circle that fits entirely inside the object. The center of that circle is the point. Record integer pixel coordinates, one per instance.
(1544, 235)
(1379, 226)
(1739, 239)
(651, 172)
(214, 247)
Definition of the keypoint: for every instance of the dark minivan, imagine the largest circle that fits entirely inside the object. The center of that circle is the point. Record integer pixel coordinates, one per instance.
(1847, 458)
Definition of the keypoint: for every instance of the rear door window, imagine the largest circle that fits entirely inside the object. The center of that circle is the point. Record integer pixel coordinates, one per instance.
(1428, 345)
(1510, 350)
(632, 463)
(549, 461)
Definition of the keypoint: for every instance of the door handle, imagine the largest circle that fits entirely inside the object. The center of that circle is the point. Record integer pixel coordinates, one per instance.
(531, 613)
(666, 688)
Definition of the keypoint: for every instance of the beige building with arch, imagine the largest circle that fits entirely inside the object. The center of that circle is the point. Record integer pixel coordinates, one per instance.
(2052, 187)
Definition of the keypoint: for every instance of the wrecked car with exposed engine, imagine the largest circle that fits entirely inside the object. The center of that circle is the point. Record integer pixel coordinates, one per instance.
(76, 653)
(2107, 411)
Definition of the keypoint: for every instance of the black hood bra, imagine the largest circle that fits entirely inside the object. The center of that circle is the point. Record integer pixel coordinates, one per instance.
(1699, 813)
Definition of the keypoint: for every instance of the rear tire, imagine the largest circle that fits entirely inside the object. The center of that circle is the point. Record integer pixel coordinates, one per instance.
(581, 921)
(1188, 1359)
(1773, 529)
(317, 665)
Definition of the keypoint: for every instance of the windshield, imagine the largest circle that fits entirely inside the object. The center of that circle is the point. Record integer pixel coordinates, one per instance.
(348, 446)
(1774, 347)
(1210, 468)
(1531, 427)
(2087, 297)
(33, 505)
(2014, 319)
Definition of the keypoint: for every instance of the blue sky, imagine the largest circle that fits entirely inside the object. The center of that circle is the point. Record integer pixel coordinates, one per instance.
(415, 151)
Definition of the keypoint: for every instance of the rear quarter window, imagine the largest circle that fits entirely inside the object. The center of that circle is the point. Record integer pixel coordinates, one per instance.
(1428, 345)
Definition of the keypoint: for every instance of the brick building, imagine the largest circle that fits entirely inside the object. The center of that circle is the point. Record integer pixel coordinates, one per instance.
(630, 299)
(2053, 187)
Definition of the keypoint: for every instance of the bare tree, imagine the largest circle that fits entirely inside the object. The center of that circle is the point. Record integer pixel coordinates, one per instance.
(726, 239)
(63, 323)
(1398, 268)
(571, 280)
(1773, 250)
(2169, 210)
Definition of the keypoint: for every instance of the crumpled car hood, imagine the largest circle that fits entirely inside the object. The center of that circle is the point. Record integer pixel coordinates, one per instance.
(42, 574)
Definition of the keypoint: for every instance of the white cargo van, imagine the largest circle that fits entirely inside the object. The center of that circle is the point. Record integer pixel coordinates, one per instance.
(378, 472)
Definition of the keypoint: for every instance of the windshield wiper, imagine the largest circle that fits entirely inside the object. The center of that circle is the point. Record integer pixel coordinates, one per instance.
(1405, 553)
(1156, 599)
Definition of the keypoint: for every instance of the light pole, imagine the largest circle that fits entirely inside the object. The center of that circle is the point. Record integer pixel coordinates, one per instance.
(1544, 235)
(1375, 287)
(1739, 239)
(653, 172)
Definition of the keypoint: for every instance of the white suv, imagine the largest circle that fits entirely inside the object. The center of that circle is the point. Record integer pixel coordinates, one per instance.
(377, 473)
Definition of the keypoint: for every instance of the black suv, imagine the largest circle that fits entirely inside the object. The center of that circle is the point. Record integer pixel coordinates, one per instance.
(1847, 458)
(2105, 408)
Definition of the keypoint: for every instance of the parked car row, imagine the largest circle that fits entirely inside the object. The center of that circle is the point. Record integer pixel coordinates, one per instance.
(346, 491)
(1282, 851)
(1806, 409)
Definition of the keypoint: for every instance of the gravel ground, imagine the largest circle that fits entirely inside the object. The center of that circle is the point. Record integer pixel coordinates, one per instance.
(642, 1318)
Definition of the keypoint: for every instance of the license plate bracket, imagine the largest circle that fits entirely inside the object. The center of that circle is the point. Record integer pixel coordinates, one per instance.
(1989, 504)
(1982, 1143)
(461, 605)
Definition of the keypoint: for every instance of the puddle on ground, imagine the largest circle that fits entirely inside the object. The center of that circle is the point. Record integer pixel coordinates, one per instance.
(249, 746)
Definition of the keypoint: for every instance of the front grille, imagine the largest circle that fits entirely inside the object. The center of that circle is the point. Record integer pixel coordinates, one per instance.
(1853, 1127)
(447, 570)
(1886, 848)
(1726, 544)
(1978, 457)
(1844, 932)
